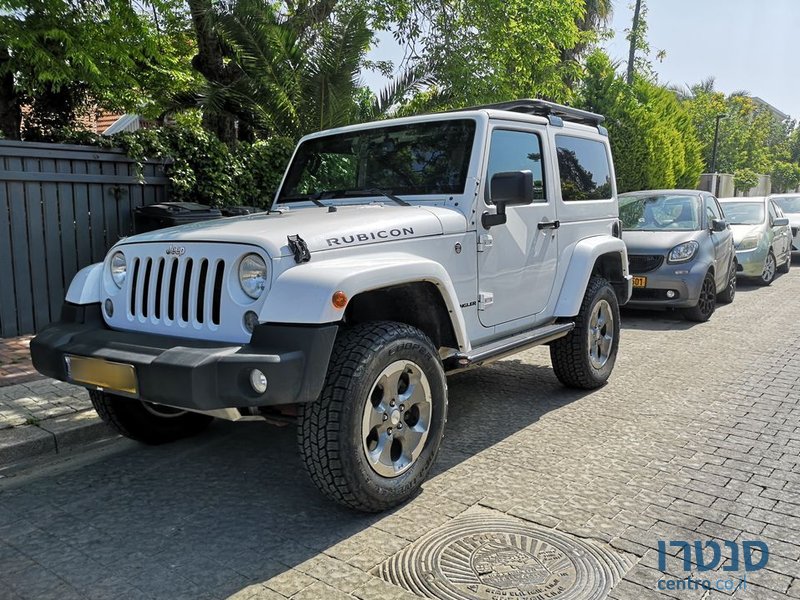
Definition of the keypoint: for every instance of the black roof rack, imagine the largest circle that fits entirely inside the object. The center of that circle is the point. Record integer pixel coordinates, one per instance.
(543, 108)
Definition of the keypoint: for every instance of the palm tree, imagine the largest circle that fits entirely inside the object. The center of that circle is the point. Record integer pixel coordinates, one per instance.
(596, 16)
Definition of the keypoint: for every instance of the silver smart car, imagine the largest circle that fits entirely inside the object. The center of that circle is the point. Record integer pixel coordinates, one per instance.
(680, 250)
(790, 205)
(761, 235)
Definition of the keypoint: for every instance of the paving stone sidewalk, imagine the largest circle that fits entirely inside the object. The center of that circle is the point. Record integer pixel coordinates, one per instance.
(696, 437)
(15, 361)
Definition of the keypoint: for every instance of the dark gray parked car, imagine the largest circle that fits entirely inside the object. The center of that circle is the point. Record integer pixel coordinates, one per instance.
(680, 250)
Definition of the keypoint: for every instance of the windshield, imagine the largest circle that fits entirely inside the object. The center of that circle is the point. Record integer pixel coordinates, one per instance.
(744, 213)
(418, 159)
(661, 212)
(789, 204)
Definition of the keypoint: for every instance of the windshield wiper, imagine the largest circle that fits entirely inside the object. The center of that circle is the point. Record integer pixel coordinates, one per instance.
(376, 192)
(313, 197)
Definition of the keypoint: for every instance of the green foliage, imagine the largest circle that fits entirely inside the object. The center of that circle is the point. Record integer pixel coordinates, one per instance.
(785, 176)
(65, 55)
(744, 179)
(491, 50)
(654, 143)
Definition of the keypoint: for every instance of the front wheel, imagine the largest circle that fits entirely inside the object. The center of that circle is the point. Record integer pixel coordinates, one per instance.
(585, 357)
(147, 422)
(371, 438)
(768, 274)
(706, 303)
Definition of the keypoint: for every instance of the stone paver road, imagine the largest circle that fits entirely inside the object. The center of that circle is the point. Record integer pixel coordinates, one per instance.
(697, 437)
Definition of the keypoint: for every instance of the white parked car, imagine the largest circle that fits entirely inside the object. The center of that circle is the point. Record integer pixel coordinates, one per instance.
(395, 252)
(790, 205)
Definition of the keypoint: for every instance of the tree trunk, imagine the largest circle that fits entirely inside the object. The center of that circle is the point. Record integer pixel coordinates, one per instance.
(209, 62)
(10, 111)
(634, 40)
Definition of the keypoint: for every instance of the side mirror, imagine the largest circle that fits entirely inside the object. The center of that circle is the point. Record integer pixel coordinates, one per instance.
(509, 188)
(780, 222)
(718, 225)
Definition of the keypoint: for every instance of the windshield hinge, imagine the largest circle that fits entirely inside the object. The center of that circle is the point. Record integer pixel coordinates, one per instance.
(485, 299)
(485, 241)
(299, 248)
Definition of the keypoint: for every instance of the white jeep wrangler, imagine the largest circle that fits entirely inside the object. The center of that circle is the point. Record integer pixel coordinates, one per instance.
(394, 253)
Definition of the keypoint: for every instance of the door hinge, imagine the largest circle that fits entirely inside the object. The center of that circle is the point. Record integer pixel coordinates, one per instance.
(485, 299)
(485, 241)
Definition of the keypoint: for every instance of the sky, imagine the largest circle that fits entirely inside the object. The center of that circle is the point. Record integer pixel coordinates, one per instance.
(751, 45)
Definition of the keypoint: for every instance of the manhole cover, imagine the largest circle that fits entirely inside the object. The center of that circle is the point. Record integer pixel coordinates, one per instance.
(479, 558)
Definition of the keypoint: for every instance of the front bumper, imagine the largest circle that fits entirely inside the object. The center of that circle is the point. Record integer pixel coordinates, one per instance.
(194, 374)
(751, 262)
(685, 279)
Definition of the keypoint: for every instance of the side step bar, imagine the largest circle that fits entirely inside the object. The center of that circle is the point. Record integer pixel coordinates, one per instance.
(500, 349)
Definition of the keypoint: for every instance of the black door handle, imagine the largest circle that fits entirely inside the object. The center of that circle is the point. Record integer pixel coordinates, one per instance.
(549, 225)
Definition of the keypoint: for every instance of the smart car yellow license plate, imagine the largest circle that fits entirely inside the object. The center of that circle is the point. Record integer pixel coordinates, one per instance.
(639, 282)
(103, 374)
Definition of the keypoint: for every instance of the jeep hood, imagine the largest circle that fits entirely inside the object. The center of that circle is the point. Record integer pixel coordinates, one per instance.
(321, 230)
(656, 242)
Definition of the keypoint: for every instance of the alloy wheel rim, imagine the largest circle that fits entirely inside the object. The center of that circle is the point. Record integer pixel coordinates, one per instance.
(164, 412)
(601, 334)
(732, 282)
(706, 302)
(769, 268)
(396, 419)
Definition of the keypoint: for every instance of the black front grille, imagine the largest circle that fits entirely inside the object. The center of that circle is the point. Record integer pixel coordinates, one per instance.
(642, 263)
(652, 294)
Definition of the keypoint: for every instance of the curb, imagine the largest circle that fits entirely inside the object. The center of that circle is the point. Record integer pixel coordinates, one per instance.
(51, 437)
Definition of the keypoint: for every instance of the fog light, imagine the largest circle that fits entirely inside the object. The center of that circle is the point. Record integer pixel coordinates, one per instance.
(258, 381)
(250, 321)
(109, 307)
(670, 293)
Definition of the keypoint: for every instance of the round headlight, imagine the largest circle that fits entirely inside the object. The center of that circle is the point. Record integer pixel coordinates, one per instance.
(253, 275)
(119, 269)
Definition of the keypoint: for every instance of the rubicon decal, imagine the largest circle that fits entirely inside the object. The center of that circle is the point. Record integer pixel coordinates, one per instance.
(383, 234)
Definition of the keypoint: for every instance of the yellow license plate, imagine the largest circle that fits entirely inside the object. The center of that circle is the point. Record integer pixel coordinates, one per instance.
(639, 282)
(102, 374)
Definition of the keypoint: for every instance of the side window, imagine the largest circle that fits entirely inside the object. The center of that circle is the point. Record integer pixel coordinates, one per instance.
(773, 213)
(712, 210)
(517, 151)
(583, 168)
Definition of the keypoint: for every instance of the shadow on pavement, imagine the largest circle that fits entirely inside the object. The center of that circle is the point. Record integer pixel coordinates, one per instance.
(207, 517)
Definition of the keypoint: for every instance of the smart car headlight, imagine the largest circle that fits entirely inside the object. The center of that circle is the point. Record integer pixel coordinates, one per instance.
(749, 242)
(253, 275)
(119, 269)
(683, 252)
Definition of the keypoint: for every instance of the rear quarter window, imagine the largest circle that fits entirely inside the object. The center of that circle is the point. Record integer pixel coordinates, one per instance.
(583, 168)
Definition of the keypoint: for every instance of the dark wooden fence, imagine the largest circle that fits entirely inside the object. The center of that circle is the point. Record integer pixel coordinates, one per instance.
(61, 208)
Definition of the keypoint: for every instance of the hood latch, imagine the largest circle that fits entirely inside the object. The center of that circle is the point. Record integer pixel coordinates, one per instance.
(299, 248)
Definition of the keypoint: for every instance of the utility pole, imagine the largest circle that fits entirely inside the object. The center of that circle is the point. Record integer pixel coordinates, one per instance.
(634, 40)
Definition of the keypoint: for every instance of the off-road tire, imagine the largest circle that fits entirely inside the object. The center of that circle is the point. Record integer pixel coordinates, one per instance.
(330, 429)
(726, 296)
(131, 418)
(765, 281)
(707, 304)
(570, 354)
(787, 265)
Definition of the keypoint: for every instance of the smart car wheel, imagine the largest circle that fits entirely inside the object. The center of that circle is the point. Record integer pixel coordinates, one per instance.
(768, 274)
(370, 439)
(707, 302)
(726, 296)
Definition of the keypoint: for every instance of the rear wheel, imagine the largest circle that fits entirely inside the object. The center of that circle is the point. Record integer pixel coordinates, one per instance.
(768, 274)
(147, 422)
(707, 302)
(787, 264)
(726, 296)
(585, 357)
(371, 438)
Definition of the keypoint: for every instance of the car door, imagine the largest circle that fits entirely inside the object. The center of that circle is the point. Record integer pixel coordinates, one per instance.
(517, 260)
(722, 241)
(781, 234)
